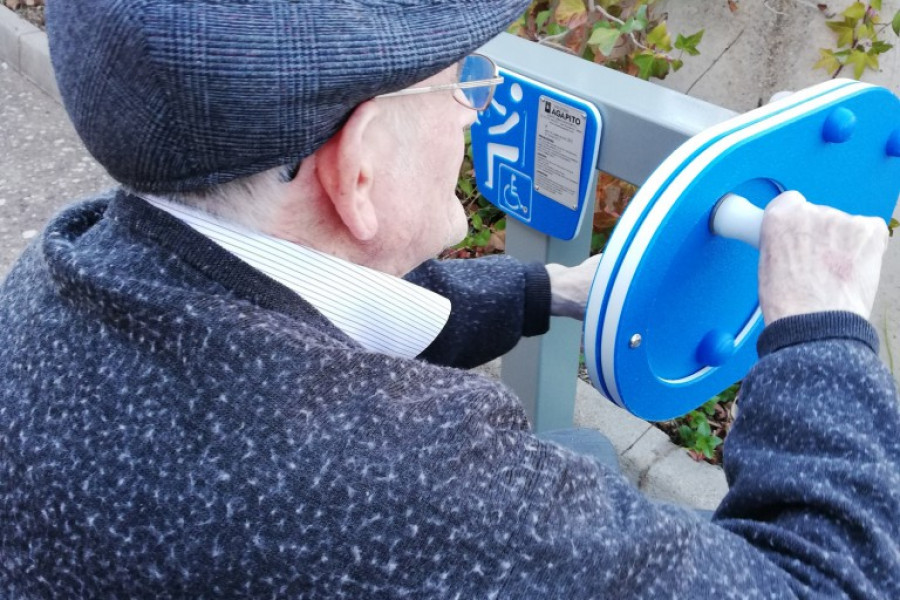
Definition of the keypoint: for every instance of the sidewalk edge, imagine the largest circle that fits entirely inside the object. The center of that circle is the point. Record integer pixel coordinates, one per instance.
(24, 47)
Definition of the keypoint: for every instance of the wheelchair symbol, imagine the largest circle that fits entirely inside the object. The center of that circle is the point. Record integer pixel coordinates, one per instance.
(516, 192)
(511, 196)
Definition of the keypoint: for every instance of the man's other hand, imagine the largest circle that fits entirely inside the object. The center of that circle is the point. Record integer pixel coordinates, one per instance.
(815, 258)
(570, 287)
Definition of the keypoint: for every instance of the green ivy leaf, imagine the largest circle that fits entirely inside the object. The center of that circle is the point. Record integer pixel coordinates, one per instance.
(866, 31)
(660, 67)
(689, 43)
(859, 60)
(644, 63)
(876, 4)
(708, 444)
(555, 29)
(641, 15)
(541, 19)
(703, 446)
(598, 241)
(731, 392)
(872, 60)
(466, 243)
(630, 26)
(880, 47)
(827, 61)
(703, 427)
(855, 11)
(844, 32)
(604, 39)
(895, 23)
(660, 38)
(637, 22)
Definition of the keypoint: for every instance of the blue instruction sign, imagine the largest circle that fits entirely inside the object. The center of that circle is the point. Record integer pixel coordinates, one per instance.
(535, 151)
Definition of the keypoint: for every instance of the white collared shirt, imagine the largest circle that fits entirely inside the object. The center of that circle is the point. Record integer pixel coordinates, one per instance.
(381, 312)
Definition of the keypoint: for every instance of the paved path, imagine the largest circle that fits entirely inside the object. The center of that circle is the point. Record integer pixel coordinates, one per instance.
(763, 47)
(44, 165)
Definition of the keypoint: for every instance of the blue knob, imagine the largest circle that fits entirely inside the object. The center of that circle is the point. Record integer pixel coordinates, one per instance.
(839, 126)
(893, 144)
(716, 348)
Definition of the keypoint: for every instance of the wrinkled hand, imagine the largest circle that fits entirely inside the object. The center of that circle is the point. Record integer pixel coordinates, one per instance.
(815, 258)
(570, 287)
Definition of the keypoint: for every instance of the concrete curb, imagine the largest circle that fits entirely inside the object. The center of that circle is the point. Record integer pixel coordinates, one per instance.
(658, 467)
(24, 47)
(654, 464)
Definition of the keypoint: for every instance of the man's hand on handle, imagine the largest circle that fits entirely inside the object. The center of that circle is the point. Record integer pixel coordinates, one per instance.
(570, 287)
(816, 258)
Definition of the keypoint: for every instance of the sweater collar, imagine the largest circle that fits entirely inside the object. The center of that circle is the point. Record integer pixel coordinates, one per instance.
(380, 312)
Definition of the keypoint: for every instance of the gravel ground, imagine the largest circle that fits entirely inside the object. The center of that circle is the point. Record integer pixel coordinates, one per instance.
(33, 14)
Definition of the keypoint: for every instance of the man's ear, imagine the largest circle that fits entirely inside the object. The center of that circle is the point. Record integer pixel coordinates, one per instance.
(344, 167)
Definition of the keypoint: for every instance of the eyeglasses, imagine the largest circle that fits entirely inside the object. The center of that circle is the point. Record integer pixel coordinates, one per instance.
(477, 76)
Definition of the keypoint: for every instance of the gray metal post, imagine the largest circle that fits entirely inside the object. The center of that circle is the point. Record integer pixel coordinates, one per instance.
(642, 124)
(543, 370)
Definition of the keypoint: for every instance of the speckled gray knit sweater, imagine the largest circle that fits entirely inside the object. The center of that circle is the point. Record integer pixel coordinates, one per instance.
(174, 424)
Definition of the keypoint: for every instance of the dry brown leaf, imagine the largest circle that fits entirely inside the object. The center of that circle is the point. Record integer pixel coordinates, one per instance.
(497, 242)
(571, 13)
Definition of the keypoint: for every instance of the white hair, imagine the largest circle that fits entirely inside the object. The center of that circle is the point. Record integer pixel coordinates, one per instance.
(253, 201)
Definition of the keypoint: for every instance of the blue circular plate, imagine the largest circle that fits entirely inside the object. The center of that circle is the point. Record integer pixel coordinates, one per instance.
(674, 316)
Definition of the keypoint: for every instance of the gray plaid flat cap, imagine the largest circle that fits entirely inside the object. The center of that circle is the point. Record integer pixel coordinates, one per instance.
(178, 95)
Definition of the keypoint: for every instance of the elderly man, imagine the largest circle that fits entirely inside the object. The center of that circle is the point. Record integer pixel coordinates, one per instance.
(210, 383)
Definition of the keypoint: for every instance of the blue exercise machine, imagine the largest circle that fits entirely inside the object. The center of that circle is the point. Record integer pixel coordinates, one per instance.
(673, 315)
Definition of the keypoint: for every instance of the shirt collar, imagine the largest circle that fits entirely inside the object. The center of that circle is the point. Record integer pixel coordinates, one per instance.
(381, 312)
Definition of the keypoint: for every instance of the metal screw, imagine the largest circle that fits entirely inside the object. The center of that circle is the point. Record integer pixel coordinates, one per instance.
(636, 340)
